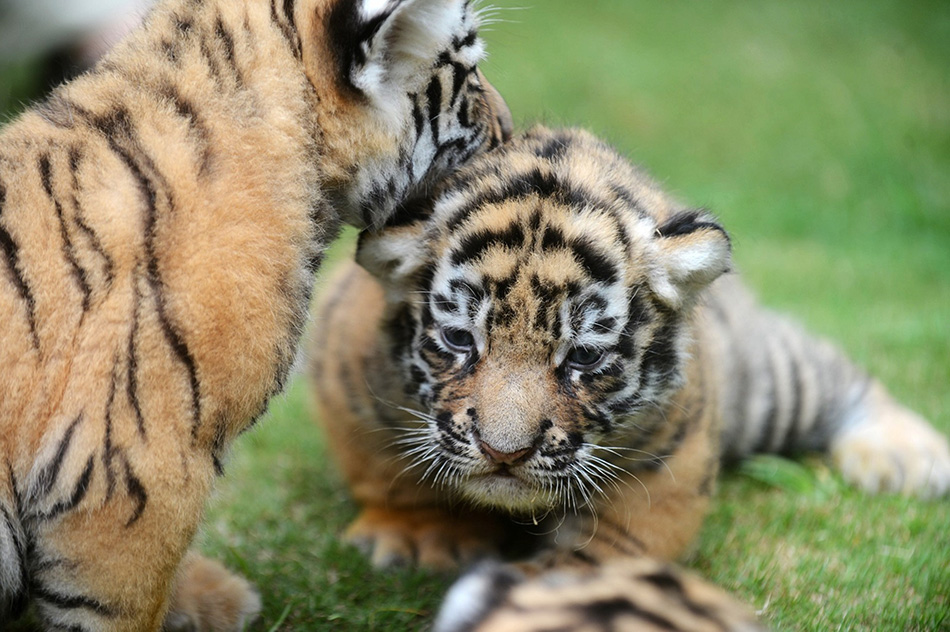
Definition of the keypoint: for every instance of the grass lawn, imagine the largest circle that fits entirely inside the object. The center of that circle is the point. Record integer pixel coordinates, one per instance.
(820, 133)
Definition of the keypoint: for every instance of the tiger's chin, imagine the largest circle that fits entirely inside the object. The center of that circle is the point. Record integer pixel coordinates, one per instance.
(506, 492)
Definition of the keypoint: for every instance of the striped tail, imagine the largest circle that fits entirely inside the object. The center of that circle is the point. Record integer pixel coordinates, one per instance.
(786, 391)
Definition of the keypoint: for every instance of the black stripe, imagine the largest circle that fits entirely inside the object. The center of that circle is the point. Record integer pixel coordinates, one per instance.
(183, 25)
(348, 34)
(686, 222)
(607, 612)
(671, 585)
(287, 25)
(186, 110)
(69, 252)
(767, 424)
(136, 490)
(227, 43)
(119, 132)
(475, 244)
(460, 73)
(94, 242)
(170, 50)
(790, 443)
(109, 451)
(217, 447)
(554, 148)
(73, 602)
(537, 182)
(214, 68)
(46, 479)
(469, 40)
(596, 263)
(433, 353)
(635, 546)
(15, 599)
(132, 380)
(627, 198)
(597, 416)
(79, 492)
(659, 360)
(434, 105)
(12, 254)
(604, 325)
(447, 428)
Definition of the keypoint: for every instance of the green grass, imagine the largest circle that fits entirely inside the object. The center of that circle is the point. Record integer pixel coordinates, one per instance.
(820, 133)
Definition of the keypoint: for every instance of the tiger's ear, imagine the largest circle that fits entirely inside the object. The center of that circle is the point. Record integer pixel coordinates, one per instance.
(693, 251)
(394, 255)
(386, 44)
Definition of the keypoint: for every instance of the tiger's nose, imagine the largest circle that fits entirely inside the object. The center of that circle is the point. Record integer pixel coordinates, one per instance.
(505, 458)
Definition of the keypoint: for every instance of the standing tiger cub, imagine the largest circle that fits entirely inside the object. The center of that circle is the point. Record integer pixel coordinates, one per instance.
(161, 218)
(550, 340)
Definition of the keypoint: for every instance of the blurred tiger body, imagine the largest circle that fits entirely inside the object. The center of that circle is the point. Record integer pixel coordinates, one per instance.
(628, 595)
(552, 351)
(161, 218)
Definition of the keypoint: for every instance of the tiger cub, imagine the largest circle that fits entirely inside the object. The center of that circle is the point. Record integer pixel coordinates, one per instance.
(547, 355)
(161, 218)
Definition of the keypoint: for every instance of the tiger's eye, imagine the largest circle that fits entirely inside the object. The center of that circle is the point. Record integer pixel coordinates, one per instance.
(459, 340)
(584, 357)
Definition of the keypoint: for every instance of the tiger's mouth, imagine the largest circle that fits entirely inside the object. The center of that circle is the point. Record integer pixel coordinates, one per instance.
(503, 471)
(503, 488)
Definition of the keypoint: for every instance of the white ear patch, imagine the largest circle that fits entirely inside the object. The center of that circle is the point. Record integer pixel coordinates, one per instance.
(405, 45)
(392, 255)
(369, 9)
(693, 251)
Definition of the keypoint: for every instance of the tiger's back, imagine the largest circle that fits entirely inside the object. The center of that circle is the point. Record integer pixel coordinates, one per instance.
(161, 219)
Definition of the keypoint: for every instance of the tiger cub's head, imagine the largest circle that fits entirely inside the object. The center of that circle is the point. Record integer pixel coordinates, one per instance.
(538, 308)
(408, 100)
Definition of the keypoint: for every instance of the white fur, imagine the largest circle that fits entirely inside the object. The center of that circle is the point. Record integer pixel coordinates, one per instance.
(688, 264)
(404, 47)
(465, 602)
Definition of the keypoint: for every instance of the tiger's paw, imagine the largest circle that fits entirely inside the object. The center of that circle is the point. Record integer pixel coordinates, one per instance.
(894, 451)
(429, 538)
(628, 594)
(207, 597)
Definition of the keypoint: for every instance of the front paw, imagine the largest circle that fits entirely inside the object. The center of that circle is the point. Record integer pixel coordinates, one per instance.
(894, 451)
(207, 597)
(428, 538)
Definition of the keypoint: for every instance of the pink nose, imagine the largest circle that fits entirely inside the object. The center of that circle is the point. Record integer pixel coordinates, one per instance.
(505, 458)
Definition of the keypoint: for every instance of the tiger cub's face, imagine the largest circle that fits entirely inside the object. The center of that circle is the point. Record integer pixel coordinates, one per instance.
(538, 312)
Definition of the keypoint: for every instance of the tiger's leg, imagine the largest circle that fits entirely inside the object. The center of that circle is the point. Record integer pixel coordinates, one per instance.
(206, 596)
(793, 392)
(109, 562)
(77, 586)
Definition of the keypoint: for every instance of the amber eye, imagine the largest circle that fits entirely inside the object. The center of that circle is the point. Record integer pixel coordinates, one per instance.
(584, 358)
(459, 340)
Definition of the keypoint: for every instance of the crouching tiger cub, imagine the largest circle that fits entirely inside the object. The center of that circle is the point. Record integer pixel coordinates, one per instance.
(161, 218)
(550, 340)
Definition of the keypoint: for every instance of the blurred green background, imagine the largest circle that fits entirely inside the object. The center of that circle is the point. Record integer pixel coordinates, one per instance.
(820, 133)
